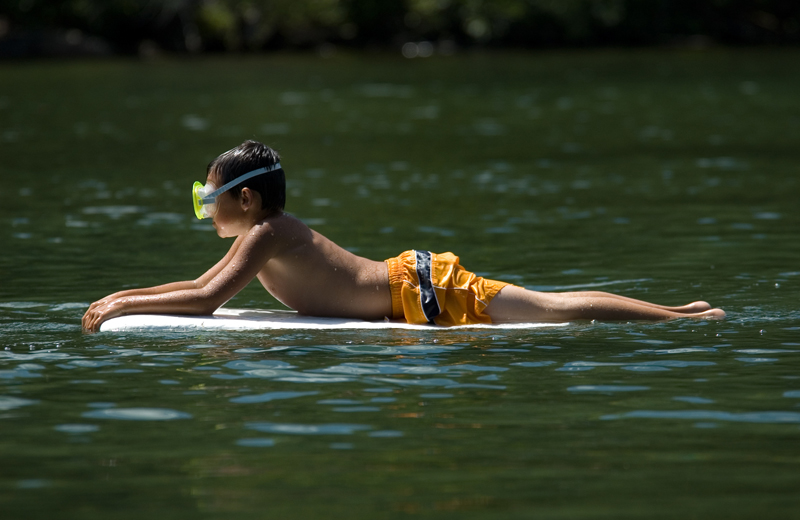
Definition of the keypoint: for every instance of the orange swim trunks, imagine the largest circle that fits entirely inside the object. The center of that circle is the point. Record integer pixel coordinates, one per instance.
(434, 288)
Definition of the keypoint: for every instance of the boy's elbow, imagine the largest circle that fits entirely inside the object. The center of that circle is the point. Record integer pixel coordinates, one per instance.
(209, 302)
(207, 309)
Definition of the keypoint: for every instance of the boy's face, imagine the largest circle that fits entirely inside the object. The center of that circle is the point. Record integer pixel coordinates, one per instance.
(228, 218)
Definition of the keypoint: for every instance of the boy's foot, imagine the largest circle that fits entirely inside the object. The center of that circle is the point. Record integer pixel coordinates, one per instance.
(695, 307)
(714, 314)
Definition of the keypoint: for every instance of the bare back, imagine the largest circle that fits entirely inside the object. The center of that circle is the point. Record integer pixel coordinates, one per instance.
(314, 276)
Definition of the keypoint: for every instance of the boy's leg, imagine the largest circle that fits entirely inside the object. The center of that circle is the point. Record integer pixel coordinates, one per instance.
(515, 304)
(690, 308)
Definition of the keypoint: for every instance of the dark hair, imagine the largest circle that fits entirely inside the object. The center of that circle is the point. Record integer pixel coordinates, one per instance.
(249, 156)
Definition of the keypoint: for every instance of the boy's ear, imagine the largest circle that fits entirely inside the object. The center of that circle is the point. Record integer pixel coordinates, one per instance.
(246, 198)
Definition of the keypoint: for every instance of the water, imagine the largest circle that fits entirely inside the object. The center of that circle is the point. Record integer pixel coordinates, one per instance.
(660, 175)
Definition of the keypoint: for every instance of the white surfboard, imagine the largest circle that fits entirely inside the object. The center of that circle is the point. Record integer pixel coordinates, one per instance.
(248, 319)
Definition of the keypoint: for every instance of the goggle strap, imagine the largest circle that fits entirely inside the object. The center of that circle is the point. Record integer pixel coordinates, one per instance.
(209, 199)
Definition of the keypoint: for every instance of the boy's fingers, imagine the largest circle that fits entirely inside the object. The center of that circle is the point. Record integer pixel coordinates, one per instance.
(96, 321)
(95, 315)
(89, 321)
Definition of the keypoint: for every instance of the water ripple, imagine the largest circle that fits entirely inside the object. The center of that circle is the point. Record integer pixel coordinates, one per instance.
(137, 414)
(777, 417)
(77, 428)
(10, 403)
(269, 396)
(256, 442)
(693, 399)
(607, 388)
(307, 429)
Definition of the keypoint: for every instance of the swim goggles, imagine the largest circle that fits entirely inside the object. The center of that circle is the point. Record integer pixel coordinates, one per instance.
(205, 197)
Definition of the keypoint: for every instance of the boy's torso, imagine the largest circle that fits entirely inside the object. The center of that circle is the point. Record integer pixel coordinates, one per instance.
(311, 274)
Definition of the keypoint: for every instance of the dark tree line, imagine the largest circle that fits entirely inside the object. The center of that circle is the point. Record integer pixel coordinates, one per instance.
(30, 27)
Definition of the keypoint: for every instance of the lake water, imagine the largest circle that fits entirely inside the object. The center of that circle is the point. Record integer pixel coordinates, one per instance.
(670, 176)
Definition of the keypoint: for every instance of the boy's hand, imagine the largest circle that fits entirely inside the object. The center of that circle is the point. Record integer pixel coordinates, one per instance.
(107, 299)
(99, 312)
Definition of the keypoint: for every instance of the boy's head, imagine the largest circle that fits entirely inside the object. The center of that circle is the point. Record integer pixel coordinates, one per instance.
(249, 156)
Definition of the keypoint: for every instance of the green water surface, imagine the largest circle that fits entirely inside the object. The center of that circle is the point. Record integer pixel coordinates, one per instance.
(670, 176)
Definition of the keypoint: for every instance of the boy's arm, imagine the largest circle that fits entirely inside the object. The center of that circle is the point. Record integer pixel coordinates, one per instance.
(158, 289)
(175, 286)
(203, 296)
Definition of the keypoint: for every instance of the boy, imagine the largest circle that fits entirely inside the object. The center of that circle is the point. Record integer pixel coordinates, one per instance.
(312, 275)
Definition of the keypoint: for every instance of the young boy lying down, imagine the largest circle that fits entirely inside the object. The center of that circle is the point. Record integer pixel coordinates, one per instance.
(245, 195)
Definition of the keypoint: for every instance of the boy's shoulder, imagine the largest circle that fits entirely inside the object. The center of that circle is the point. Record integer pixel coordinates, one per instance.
(278, 226)
(274, 235)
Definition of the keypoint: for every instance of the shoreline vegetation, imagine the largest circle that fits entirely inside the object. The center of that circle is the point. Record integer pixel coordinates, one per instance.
(416, 28)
